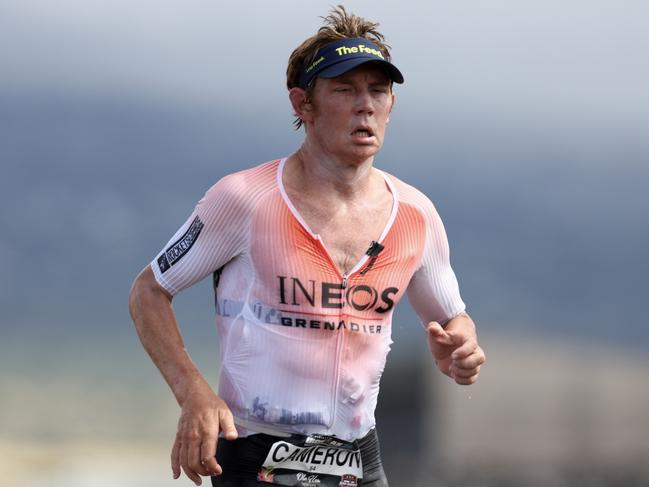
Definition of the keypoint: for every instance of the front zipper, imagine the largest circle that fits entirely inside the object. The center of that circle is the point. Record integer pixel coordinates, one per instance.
(340, 353)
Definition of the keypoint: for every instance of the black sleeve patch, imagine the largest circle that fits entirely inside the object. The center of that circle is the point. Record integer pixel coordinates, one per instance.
(179, 248)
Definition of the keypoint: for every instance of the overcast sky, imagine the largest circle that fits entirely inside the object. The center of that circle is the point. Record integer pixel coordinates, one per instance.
(581, 59)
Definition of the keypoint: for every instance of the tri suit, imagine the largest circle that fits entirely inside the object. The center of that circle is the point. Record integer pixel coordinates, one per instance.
(302, 345)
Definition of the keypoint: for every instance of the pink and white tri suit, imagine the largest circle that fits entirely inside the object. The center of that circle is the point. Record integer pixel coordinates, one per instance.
(302, 345)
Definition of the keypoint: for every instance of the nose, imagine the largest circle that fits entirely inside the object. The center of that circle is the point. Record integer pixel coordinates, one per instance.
(364, 102)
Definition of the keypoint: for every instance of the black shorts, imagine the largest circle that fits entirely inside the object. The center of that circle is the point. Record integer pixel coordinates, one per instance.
(242, 458)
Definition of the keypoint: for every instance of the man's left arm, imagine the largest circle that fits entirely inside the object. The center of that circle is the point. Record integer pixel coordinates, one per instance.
(455, 348)
(434, 294)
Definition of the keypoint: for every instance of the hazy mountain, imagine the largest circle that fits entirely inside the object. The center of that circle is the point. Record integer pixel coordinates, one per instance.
(547, 223)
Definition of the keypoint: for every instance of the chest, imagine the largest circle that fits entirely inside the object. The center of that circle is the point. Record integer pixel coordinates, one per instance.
(346, 230)
(295, 272)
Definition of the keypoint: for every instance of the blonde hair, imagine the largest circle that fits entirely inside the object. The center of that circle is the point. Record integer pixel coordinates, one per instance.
(339, 24)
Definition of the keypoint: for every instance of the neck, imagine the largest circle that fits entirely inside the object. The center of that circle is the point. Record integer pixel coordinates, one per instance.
(325, 173)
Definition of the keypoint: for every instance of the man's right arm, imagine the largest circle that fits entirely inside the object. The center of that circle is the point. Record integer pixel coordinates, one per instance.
(203, 414)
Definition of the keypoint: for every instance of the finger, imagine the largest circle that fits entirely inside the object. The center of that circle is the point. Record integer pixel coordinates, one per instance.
(193, 476)
(474, 360)
(457, 339)
(465, 348)
(464, 373)
(227, 425)
(194, 459)
(466, 381)
(208, 456)
(175, 459)
(184, 463)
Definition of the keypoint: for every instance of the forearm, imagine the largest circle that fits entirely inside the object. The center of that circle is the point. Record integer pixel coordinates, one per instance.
(155, 322)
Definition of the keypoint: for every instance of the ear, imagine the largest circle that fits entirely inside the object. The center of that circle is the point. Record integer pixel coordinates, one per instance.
(301, 104)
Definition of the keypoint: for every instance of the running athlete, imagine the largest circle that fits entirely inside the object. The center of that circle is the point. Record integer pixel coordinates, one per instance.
(309, 255)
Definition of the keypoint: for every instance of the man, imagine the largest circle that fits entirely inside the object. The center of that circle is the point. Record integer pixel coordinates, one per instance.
(309, 255)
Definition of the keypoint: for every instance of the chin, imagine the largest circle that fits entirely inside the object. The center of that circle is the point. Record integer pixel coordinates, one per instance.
(356, 157)
(365, 153)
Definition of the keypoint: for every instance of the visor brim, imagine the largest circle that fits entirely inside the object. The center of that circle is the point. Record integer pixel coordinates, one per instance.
(347, 65)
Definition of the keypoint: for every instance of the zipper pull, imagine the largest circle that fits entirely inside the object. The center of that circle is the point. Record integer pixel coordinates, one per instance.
(344, 281)
(375, 249)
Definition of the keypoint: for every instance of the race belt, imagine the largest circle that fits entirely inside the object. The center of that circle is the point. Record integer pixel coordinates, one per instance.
(310, 461)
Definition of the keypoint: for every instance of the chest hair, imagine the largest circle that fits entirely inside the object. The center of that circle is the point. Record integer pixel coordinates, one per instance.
(346, 228)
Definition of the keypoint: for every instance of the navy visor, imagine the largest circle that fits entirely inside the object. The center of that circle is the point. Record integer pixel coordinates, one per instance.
(341, 56)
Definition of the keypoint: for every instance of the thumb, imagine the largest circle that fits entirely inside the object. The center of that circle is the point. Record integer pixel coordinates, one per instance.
(227, 426)
(437, 334)
(435, 329)
(457, 339)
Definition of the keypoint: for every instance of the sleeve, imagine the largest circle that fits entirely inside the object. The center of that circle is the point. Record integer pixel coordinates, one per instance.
(212, 235)
(433, 290)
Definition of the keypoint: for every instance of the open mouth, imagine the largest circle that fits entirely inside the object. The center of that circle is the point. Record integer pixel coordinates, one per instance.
(363, 132)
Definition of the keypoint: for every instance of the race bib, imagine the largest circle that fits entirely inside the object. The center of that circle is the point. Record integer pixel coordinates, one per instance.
(312, 461)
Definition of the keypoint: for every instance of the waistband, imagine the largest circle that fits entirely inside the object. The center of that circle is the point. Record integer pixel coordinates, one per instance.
(244, 457)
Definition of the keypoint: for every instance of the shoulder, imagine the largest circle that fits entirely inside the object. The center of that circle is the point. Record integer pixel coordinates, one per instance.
(243, 189)
(410, 196)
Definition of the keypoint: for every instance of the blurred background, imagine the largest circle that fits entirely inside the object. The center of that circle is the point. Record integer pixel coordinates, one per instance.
(527, 123)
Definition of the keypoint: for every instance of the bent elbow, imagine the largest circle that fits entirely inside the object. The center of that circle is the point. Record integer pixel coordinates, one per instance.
(145, 288)
(134, 296)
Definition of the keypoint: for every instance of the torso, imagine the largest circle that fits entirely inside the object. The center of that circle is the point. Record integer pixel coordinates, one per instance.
(283, 313)
(347, 228)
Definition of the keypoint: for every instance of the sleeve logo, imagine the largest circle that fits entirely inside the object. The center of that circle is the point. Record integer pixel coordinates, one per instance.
(179, 248)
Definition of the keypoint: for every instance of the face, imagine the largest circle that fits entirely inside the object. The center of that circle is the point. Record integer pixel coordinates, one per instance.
(348, 114)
